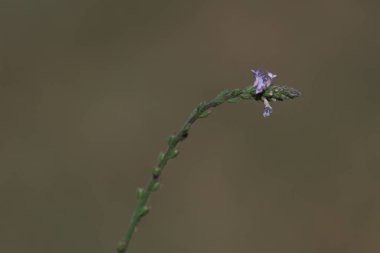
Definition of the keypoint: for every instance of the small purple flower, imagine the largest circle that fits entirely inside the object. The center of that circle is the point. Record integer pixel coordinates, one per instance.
(263, 79)
(267, 108)
(267, 111)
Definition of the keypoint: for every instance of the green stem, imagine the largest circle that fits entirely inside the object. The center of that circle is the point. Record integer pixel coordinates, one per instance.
(273, 93)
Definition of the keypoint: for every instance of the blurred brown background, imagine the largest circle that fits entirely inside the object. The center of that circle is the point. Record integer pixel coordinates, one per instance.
(90, 90)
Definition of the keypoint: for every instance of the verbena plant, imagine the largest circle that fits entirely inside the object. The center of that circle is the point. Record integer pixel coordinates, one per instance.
(261, 90)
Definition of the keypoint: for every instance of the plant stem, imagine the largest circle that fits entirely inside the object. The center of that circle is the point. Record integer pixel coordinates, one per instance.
(273, 93)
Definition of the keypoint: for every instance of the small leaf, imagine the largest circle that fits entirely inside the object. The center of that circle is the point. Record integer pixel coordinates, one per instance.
(268, 93)
(236, 92)
(140, 193)
(232, 100)
(173, 153)
(250, 89)
(156, 172)
(171, 140)
(187, 127)
(223, 93)
(219, 99)
(205, 114)
(194, 112)
(245, 96)
(201, 107)
(156, 186)
(143, 211)
(161, 156)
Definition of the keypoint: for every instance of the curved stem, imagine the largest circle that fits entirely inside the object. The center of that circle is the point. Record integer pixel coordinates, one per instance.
(201, 111)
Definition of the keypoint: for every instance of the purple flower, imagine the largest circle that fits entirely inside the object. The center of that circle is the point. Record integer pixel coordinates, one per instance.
(263, 79)
(267, 108)
(267, 111)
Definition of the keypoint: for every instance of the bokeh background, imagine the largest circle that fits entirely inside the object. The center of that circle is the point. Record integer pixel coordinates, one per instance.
(90, 90)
